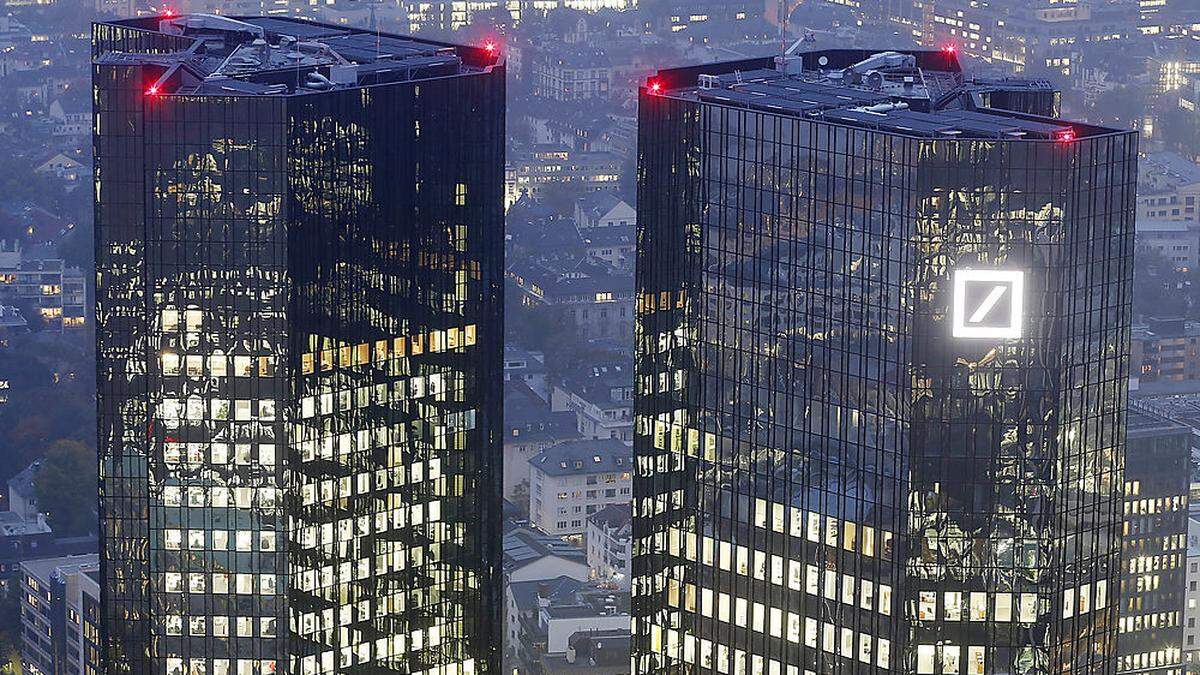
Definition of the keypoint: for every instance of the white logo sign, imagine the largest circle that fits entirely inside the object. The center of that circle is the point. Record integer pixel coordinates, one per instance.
(988, 303)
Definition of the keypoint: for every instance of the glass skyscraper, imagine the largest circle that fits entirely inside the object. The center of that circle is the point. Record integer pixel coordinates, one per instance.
(299, 236)
(882, 352)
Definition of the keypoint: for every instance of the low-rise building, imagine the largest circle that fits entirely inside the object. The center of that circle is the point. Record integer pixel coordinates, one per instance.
(1177, 241)
(613, 246)
(596, 652)
(533, 555)
(37, 276)
(523, 603)
(570, 481)
(60, 616)
(609, 543)
(532, 172)
(530, 426)
(601, 396)
(520, 364)
(1164, 356)
(596, 300)
(570, 72)
(603, 209)
(549, 622)
(1168, 188)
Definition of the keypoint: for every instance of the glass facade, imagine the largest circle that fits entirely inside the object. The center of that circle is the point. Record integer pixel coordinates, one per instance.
(299, 340)
(881, 368)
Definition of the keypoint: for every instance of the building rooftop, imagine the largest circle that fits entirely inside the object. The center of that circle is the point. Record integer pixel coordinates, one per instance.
(1147, 225)
(526, 545)
(614, 516)
(49, 567)
(13, 524)
(1141, 423)
(918, 93)
(603, 455)
(271, 56)
(526, 593)
(1181, 408)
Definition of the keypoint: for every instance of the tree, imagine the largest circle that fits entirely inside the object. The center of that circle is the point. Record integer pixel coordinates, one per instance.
(520, 498)
(66, 488)
(10, 629)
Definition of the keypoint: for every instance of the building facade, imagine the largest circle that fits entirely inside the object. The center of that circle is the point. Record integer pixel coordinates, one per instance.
(60, 616)
(570, 481)
(1191, 612)
(1165, 356)
(299, 257)
(610, 544)
(882, 348)
(1155, 544)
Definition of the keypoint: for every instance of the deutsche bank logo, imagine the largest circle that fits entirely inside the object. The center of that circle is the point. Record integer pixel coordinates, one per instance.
(988, 303)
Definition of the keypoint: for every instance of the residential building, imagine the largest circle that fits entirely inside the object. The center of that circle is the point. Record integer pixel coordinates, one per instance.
(1177, 241)
(570, 481)
(601, 396)
(536, 171)
(609, 543)
(548, 621)
(865, 380)
(593, 299)
(60, 616)
(1154, 545)
(37, 275)
(299, 402)
(62, 166)
(531, 555)
(522, 365)
(601, 210)
(524, 600)
(563, 72)
(1168, 188)
(530, 427)
(71, 113)
(613, 246)
(597, 652)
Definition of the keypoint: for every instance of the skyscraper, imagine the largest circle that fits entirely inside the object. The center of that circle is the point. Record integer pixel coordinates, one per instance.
(298, 243)
(882, 350)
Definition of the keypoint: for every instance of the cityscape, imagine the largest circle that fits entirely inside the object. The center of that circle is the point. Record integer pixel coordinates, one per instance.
(534, 337)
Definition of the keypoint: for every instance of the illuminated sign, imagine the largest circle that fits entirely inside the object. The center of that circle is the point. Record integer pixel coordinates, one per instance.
(988, 303)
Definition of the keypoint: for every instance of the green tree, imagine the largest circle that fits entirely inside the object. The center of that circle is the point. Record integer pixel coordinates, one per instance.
(66, 488)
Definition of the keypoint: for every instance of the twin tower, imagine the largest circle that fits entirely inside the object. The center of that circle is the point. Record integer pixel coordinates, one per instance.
(882, 351)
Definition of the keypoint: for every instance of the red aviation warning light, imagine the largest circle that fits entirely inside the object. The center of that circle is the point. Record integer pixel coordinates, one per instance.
(489, 47)
(654, 86)
(153, 90)
(1066, 136)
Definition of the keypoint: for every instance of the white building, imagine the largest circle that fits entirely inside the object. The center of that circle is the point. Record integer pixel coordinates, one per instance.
(573, 480)
(602, 209)
(610, 544)
(1191, 612)
(601, 396)
(533, 555)
(1177, 241)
